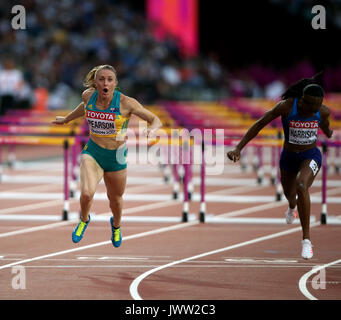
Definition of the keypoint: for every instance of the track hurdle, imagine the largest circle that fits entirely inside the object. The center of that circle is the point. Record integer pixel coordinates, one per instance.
(324, 215)
(202, 212)
(173, 156)
(186, 164)
(276, 144)
(66, 208)
(65, 142)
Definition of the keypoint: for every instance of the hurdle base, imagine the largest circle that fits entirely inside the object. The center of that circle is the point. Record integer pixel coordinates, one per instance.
(184, 217)
(65, 215)
(334, 221)
(330, 220)
(323, 218)
(202, 217)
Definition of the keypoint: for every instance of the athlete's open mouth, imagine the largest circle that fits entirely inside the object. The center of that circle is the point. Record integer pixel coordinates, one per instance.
(105, 90)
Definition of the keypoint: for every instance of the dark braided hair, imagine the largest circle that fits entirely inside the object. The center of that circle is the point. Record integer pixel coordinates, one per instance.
(296, 89)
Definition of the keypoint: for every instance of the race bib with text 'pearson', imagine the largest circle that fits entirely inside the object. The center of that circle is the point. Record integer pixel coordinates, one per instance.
(101, 123)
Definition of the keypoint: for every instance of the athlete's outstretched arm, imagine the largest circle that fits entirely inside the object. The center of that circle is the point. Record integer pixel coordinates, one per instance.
(325, 113)
(137, 109)
(276, 111)
(78, 112)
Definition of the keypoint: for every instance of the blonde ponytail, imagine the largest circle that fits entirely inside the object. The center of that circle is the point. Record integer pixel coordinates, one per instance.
(89, 81)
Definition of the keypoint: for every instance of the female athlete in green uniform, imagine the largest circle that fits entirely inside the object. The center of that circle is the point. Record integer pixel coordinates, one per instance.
(107, 112)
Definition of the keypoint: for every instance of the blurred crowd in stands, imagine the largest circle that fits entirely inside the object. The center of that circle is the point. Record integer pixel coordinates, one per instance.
(64, 39)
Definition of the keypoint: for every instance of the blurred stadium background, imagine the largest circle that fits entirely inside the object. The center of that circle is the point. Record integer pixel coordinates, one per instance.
(165, 50)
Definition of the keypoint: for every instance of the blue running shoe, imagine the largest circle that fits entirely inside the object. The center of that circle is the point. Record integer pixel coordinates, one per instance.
(78, 232)
(116, 237)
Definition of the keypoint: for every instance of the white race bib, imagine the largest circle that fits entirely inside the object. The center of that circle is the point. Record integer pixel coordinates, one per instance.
(313, 166)
(101, 123)
(303, 132)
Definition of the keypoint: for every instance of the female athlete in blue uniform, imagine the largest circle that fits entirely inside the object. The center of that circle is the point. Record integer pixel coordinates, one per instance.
(107, 112)
(302, 114)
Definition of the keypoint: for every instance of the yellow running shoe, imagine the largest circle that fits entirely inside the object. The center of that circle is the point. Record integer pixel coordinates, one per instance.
(78, 232)
(116, 237)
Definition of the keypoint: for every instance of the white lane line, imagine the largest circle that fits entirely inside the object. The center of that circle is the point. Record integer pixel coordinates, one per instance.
(260, 207)
(51, 203)
(37, 228)
(147, 197)
(129, 211)
(192, 266)
(231, 191)
(139, 209)
(71, 221)
(302, 284)
(59, 179)
(134, 285)
(146, 188)
(98, 244)
(32, 206)
(40, 187)
(142, 208)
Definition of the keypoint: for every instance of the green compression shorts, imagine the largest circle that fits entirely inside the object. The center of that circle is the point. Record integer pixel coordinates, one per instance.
(108, 160)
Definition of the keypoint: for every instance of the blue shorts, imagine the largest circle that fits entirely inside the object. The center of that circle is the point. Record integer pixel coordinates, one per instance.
(108, 160)
(291, 161)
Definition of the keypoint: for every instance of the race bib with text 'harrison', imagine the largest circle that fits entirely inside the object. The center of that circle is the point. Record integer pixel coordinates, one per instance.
(303, 132)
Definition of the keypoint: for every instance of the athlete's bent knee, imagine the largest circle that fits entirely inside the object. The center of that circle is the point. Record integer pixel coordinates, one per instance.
(86, 196)
(301, 186)
(114, 200)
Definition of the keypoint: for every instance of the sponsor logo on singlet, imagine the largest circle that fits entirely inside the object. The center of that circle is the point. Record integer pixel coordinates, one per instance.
(101, 123)
(303, 132)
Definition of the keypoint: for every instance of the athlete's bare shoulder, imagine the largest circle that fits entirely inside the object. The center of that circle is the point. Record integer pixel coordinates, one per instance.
(87, 93)
(129, 103)
(124, 99)
(284, 106)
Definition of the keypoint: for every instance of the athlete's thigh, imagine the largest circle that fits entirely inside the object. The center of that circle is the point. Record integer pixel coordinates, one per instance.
(288, 181)
(308, 171)
(115, 182)
(90, 173)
